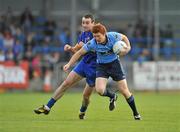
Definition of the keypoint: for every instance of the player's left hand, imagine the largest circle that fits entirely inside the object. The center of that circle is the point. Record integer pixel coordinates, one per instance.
(66, 67)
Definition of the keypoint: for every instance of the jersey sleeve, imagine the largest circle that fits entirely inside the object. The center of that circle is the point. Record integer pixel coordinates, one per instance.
(89, 46)
(118, 36)
(80, 38)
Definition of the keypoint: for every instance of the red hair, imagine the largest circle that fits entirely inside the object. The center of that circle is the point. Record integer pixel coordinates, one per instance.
(99, 28)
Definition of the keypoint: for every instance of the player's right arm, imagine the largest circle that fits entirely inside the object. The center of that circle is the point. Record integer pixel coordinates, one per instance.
(90, 46)
(73, 49)
(77, 46)
(74, 59)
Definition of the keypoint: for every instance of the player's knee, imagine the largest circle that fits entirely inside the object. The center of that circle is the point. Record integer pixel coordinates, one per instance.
(67, 83)
(100, 91)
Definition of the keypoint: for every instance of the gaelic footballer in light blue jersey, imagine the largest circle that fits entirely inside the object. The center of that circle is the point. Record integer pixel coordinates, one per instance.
(108, 64)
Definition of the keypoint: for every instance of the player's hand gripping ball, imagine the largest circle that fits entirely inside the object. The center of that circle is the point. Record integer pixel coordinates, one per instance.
(119, 46)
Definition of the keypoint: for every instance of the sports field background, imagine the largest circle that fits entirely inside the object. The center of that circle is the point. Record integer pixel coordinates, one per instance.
(160, 113)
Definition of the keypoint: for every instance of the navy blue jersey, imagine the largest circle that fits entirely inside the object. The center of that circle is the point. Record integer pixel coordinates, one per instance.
(89, 57)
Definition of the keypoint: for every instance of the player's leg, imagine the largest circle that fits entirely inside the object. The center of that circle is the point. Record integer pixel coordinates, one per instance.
(86, 100)
(122, 86)
(71, 80)
(118, 75)
(90, 73)
(102, 75)
(101, 90)
(101, 86)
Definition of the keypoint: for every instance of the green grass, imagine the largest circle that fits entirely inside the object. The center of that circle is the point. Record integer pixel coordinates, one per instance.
(160, 112)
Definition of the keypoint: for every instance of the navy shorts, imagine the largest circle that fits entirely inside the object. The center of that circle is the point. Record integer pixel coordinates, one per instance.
(113, 69)
(86, 70)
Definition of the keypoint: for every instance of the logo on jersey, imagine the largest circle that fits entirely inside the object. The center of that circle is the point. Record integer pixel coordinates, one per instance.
(88, 43)
(116, 36)
(107, 52)
(87, 39)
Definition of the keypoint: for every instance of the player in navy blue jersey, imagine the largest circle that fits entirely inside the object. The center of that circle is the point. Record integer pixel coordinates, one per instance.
(86, 68)
(108, 63)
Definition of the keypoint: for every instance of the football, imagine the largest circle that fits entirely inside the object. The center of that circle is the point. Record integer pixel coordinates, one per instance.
(118, 46)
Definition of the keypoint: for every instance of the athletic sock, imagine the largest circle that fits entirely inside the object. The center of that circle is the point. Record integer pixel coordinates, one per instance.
(108, 93)
(51, 103)
(83, 108)
(84, 105)
(131, 103)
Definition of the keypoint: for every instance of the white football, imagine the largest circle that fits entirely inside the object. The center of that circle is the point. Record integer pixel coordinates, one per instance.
(118, 46)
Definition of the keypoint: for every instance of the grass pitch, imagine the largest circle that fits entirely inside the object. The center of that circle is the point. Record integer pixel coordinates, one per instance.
(160, 113)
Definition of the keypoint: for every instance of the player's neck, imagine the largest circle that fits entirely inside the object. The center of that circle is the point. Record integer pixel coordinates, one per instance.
(87, 31)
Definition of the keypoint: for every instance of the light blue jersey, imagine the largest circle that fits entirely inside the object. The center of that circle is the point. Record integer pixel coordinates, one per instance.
(104, 52)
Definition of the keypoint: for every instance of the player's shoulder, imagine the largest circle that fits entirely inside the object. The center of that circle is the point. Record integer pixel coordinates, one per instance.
(92, 41)
(114, 35)
(82, 33)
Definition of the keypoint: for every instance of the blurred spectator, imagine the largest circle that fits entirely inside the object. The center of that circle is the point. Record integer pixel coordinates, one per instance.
(53, 59)
(140, 33)
(19, 35)
(64, 37)
(144, 56)
(36, 65)
(18, 50)
(2, 24)
(50, 27)
(2, 56)
(8, 40)
(129, 30)
(28, 55)
(168, 32)
(26, 20)
(167, 42)
(9, 15)
(29, 42)
(168, 35)
(12, 29)
(46, 45)
(1, 41)
(9, 55)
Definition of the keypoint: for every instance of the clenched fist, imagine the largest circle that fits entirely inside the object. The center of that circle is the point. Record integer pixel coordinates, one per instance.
(66, 67)
(67, 47)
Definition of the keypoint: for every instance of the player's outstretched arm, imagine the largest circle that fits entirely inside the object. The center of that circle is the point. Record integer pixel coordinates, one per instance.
(77, 47)
(126, 49)
(73, 49)
(74, 59)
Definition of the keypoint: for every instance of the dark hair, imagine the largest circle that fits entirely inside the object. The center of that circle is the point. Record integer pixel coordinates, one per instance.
(89, 16)
(99, 28)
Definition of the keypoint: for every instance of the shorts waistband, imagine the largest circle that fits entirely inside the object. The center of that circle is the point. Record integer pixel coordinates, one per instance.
(116, 60)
